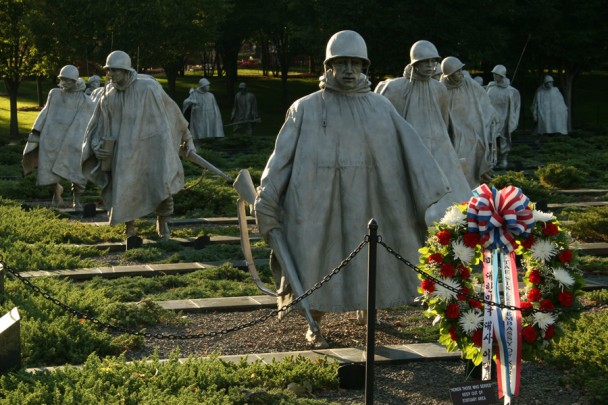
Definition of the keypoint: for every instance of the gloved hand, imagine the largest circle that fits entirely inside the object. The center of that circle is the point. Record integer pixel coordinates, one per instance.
(102, 154)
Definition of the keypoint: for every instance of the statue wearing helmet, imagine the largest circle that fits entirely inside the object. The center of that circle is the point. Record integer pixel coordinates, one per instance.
(139, 174)
(336, 159)
(423, 102)
(472, 121)
(244, 110)
(203, 113)
(507, 103)
(55, 142)
(549, 110)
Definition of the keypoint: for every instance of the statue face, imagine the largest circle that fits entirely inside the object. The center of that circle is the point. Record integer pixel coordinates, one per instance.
(456, 78)
(548, 85)
(425, 67)
(346, 71)
(118, 76)
(498, 78)
(66, 83)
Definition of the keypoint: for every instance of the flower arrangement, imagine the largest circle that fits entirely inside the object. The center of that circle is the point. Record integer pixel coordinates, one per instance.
(453, 253)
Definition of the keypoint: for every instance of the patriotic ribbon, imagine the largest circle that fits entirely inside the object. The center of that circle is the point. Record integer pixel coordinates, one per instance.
(499, 216)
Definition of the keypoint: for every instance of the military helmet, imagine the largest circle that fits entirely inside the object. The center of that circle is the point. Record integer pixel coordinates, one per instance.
(422, 50)
(548, 79)
(69, 72)
(346, 44)
(118, 60)
(450, 65)
(203, 82)
(500, 70)
(242, 85)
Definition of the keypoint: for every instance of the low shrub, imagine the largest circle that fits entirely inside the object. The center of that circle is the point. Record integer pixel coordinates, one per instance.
(561, 176)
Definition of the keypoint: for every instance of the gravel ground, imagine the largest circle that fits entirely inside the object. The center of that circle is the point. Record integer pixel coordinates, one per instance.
(418, 382)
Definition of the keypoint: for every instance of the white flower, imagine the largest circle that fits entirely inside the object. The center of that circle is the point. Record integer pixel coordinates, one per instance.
(463, 252)
(471, 321)
(543, 319)
(540, 216)
(445, 293)
(562, 277)
(453, 217)
(543, 250)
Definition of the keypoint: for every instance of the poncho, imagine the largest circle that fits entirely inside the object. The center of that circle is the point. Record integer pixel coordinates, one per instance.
(550, 111)
(341, 159)
(147, 127)
(507, 103)
(61, 123)
(205, 117)
(423, 102)
(472, 127)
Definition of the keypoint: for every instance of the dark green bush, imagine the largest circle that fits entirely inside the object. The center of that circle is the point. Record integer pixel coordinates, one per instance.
(561, 176)
(534, 190)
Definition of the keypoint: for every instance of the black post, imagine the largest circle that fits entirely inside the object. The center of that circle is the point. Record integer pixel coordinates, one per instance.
(371, 312)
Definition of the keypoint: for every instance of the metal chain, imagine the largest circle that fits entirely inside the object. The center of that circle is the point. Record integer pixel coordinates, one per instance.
(483, 300)
(97, 322)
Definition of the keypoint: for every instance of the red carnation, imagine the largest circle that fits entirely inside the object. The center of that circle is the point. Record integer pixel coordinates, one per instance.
(565, 298)
(435, 257)
(477, 337)
(471, 239)
(550, 229)
(464, 272)
(529, 334)
(528, 242)
(535, 277)
(547, 305)
(444, 237)
(463, 291)
(452, 311)
(534, 295)
(565, 256)
(428, 285)
(526, 306)
(448, 270)
(475, 303)
(453, 333)
(549, 332)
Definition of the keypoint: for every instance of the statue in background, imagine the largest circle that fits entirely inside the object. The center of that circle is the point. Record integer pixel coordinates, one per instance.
(343, 156)
(55, 142)
(549, 109)
(94, 83)
(132, 144)
(473, 121)
(507, 103)
(423, 102)
(203, 113)
(244, 111)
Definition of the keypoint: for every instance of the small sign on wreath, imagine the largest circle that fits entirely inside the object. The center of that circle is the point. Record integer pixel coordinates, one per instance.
(488, 235)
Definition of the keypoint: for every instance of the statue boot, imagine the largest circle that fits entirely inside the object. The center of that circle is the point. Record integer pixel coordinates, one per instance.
(503, 161)
(130, 229)
(316, 339)
(162, 227)
(57, 196)
(77, 192)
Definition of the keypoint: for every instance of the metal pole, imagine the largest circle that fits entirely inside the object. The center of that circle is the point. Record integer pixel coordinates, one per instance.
(371, 312)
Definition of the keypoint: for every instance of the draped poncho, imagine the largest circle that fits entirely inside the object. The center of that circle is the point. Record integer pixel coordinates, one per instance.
(205, 117)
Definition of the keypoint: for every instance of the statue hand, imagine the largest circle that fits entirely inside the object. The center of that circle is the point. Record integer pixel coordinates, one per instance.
(102, 154)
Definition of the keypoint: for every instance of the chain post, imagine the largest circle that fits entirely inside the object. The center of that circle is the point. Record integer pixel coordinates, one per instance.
(371, 312)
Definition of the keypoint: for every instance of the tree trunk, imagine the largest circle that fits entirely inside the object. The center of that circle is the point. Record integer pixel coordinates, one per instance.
(570, 78)
(12, 87)
(171, 71)
(41, 98)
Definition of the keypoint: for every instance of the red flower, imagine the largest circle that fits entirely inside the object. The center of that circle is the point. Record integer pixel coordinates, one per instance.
(452, 311)
(550, 229)
(565, 298)
(528, 242)
(547, 305)
(428, 285)
(534, 295)
(549, 332)
(435, 257)
(464, 272)
(475, 303)
(535, 277)
(471, 239)
(448, 270)
(529, 334)
(461, 296)
(526, 306)
(477, 337)
(565, 256)
(444, 237)
(453, 333)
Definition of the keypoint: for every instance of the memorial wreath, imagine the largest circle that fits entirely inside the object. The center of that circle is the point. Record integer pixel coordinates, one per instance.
(489, 235)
